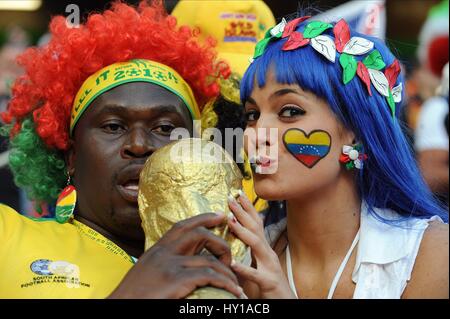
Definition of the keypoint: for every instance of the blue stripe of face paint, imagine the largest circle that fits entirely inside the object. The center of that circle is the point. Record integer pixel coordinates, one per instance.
(307, 149)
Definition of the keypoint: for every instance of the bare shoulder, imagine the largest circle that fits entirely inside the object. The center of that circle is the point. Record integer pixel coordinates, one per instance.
(430, 278)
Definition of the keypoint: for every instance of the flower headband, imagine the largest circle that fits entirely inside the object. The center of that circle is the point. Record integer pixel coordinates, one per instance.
(369, 69)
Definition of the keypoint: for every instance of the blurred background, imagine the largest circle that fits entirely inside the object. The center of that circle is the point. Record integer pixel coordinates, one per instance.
(416, 31)
(404, 17)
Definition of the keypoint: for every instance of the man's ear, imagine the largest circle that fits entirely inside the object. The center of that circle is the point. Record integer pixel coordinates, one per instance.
(69, 157)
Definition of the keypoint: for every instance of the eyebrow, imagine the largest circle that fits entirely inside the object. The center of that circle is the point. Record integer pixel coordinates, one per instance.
(282, 92)
(251, 100)
(115, 109)
(278, 93)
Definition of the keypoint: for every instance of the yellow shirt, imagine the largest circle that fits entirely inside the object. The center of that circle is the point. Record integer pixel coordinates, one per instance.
(45, 259)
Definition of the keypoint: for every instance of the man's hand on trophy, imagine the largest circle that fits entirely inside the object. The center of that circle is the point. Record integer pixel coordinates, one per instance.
(173, 268)
(267, 274)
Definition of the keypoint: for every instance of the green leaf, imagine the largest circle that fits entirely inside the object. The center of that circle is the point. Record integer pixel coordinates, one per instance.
(279, 35)
(350, 165)
(349, 67)
(261, 47)
(391, 103)
(315, 28)
(268, 35)
(374, 61)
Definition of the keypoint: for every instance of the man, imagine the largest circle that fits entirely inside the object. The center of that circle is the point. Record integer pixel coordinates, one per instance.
(94, 103)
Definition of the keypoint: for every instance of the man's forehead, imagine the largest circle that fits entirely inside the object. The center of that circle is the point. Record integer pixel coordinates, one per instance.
(130, 109)
(136, 91)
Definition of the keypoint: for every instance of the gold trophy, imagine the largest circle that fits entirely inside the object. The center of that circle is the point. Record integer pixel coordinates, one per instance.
(187, 178)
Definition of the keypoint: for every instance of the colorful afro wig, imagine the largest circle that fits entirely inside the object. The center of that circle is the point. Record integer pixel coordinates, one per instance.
(38, 115)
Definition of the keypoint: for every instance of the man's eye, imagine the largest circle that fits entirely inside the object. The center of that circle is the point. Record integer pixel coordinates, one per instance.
(252, 116)
(165, 129)
(113, 127)
(291, 111)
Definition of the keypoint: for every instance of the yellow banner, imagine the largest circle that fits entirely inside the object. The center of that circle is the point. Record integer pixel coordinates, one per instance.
(138, 70)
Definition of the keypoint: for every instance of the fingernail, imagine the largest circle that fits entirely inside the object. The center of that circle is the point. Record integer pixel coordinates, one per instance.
(232, 218)
(219, 213)
(231, 198)
(233, 262)
(240, 192)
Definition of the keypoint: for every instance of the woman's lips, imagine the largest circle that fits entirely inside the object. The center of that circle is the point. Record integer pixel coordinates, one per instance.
(263, 161)
(263, 164)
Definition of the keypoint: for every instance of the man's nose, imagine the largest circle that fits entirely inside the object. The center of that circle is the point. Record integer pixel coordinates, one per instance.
(138, 144)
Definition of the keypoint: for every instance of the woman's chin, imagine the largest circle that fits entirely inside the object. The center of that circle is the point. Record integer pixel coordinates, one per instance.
(269, 190)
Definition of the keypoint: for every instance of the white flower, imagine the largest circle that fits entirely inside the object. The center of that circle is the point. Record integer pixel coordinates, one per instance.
(278, 28)
(353, 155)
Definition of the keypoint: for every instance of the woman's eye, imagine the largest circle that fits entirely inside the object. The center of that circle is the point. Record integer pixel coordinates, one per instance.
(113, 128)
(252, 116)
(291, 111)
(164, 129)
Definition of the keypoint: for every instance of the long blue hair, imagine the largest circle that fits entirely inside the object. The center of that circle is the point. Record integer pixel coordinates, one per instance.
(390, 177)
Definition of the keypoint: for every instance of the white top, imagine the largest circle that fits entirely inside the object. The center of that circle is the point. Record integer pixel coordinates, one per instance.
(385, 253)
(431, 132)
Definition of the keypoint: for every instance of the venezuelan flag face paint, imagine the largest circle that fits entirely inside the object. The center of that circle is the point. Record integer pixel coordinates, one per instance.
(310, 148)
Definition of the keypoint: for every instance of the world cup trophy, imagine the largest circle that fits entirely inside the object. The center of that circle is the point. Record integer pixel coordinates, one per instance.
(187, 178)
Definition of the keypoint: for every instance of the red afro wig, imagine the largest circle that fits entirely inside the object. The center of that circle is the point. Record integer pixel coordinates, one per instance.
(55, 72)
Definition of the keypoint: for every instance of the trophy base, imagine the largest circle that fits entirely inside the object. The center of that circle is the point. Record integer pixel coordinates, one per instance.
(211, 293)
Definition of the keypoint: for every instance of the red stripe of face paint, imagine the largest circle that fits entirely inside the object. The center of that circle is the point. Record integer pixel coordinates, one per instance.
(308, 160)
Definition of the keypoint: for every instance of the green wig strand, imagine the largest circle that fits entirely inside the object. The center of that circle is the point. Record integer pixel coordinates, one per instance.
(40, 171)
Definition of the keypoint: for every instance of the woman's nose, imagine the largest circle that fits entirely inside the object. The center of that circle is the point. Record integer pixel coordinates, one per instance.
(266, 133)
(261, 136)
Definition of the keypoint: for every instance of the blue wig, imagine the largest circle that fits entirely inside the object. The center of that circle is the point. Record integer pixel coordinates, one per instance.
(390, 177)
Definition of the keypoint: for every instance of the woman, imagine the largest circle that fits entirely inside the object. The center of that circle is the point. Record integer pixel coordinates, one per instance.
(360, 222)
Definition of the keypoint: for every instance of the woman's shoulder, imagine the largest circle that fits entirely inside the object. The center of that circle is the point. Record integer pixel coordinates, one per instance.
(394, 250)
(387, 236)
(430, 276)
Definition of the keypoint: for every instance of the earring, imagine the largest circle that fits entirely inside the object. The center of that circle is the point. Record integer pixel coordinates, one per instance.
(65, 205)
(352, 157)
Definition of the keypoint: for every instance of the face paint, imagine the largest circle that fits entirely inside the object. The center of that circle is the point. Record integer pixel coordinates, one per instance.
(310, 148)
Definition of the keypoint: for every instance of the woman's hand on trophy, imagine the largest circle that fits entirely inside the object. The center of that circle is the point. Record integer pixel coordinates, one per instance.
(172, 268)
(267, 274)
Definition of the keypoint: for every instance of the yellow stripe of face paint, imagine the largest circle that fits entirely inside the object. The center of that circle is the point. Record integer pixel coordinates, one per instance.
(315, 138)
